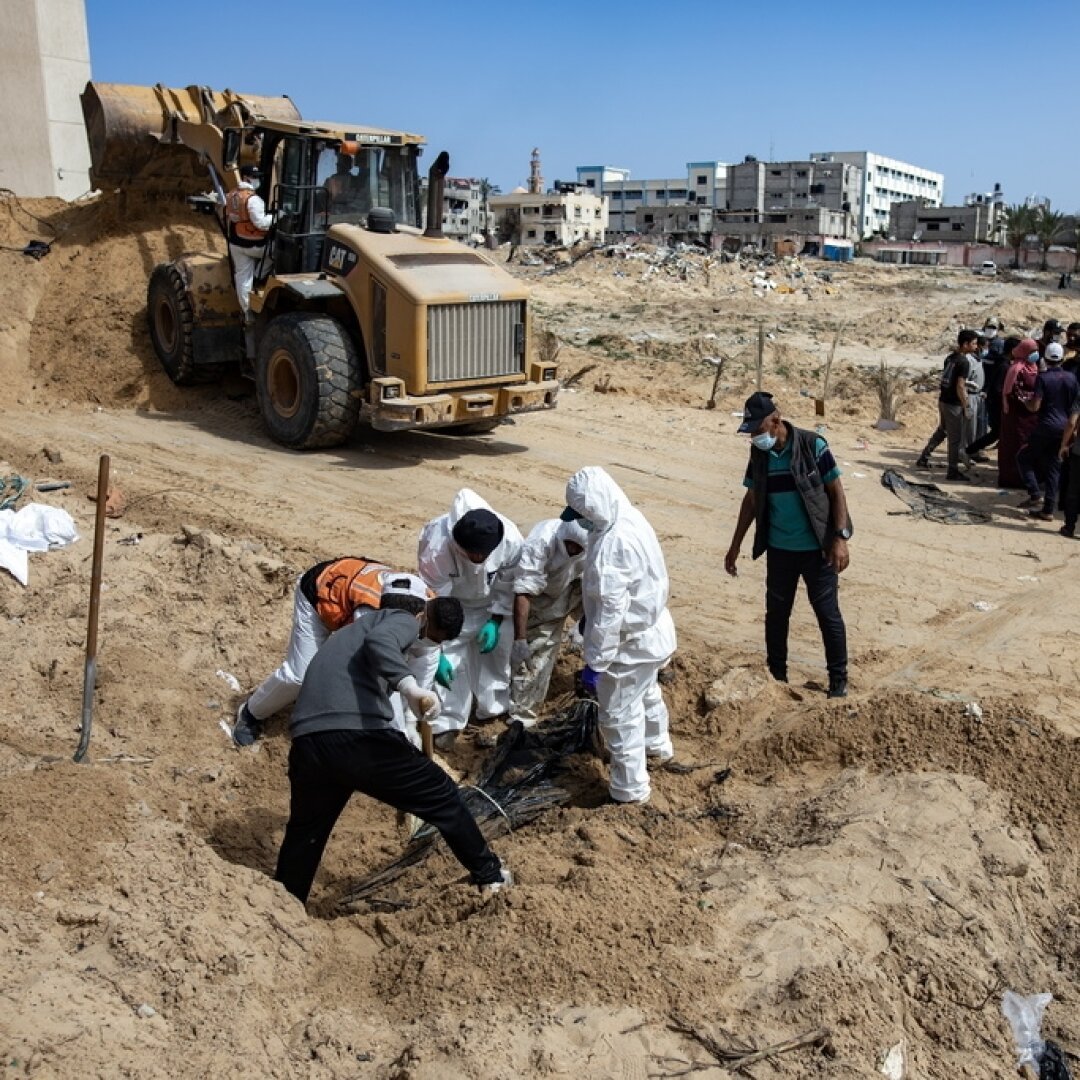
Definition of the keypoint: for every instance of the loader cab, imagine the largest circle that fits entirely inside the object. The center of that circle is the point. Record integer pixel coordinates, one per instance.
(318, 182)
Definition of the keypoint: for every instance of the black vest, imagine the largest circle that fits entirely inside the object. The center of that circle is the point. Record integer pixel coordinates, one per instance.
(808, 483)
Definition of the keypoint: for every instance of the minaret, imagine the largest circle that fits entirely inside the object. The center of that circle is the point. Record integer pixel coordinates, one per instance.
(536, 181)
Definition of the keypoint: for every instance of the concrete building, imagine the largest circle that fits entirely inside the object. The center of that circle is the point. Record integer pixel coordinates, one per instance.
(703, 185)
(804, 227)
(675, 224)
(793, 185)
(465, 217)
(974, 223)
(555, 217)
(884, 182)
(44, 65)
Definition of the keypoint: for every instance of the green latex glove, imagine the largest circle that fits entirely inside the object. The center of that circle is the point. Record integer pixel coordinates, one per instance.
(444, 676)
(488, 637)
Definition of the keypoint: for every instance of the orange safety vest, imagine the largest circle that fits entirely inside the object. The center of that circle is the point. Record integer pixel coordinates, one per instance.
(236, 210)
(345, 585)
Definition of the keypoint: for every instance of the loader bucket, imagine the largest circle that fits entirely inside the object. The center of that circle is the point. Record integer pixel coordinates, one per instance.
(135, 135)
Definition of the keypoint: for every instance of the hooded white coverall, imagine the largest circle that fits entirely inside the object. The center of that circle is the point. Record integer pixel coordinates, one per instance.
(629, 633)
(484, 589)
(551, 578)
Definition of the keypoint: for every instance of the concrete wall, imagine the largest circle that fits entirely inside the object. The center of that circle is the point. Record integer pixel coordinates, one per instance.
(971, 255)
(44, 65)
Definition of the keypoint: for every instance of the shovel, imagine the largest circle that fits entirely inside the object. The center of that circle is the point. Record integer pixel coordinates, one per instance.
(427, 744)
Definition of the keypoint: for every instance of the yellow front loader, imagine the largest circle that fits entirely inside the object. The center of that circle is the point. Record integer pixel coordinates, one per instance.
(357, 311)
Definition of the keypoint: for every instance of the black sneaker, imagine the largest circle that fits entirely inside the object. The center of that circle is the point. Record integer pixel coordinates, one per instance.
(956, 475)
(837, 686)
(779, 674)
(246, 729)
(922, 463)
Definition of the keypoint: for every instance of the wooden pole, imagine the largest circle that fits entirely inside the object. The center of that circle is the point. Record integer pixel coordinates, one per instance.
(819, 404)
(90, 666)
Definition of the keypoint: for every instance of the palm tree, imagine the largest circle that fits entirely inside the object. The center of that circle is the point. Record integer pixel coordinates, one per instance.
(1048, 226)
(1019, 225)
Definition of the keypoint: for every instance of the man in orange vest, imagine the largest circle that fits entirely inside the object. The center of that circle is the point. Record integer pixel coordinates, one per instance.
(248, 224)
(331, 595)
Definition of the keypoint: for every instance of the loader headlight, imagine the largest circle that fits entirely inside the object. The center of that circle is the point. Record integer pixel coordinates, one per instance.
(390, 392)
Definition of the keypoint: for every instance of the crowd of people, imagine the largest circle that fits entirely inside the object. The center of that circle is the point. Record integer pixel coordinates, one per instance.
(378, 657)
(383, 666)
(1022, 395)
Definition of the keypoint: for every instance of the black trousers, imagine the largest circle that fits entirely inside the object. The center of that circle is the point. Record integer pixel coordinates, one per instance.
(1072, 493)
(783, 570)
(1040, 466)
(327, 767)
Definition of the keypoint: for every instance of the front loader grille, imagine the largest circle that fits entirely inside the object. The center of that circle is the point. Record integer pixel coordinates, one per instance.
(476, 341)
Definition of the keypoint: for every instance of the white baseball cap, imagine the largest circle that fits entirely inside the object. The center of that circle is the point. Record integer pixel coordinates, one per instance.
(395, 584)
(1054, 353)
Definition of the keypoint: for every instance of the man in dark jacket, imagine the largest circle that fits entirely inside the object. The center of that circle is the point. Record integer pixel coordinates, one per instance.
(344, 741)
(794, 495)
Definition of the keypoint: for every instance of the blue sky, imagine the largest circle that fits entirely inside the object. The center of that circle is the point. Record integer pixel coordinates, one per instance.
(644, 84)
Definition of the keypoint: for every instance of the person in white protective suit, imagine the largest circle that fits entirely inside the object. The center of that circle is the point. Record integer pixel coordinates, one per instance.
(471, 553)
(629, 634)
(547, 591)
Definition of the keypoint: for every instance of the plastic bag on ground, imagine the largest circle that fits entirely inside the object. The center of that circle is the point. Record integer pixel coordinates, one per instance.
(1025, 1017)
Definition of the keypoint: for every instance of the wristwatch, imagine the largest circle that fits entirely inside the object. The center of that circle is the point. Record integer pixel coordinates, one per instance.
(844, 533)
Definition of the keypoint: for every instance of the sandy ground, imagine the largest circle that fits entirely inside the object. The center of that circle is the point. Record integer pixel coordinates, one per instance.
(879, 867)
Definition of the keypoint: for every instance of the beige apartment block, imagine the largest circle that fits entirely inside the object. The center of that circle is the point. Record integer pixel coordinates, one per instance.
(44, 65)
(556, 217)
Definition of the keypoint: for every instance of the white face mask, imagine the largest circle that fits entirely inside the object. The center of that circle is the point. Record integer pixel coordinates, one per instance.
(764, 441)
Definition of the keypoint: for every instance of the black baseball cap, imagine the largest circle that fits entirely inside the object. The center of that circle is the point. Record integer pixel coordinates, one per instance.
(759, 405)
(1052, 326)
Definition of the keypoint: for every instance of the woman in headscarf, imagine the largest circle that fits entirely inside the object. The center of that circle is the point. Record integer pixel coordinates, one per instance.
(1016, 420)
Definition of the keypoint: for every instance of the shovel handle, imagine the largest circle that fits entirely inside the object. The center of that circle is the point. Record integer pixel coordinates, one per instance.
(90, 666)
(427, 739)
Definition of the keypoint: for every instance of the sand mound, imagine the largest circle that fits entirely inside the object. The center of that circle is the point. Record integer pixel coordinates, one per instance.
(81, 324)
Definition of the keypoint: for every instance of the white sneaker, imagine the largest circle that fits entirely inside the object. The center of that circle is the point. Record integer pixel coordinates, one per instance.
(660, 757)
(492, 887)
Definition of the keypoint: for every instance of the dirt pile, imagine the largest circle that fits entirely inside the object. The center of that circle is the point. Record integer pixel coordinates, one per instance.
(880, 867)
(77, 315)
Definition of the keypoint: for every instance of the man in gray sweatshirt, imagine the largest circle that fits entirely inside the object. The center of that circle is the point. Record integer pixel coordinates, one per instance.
(344, 741)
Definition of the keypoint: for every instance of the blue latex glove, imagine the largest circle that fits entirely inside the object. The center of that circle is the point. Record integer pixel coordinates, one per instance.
(488, 636)
(444, 675)
(590, 679)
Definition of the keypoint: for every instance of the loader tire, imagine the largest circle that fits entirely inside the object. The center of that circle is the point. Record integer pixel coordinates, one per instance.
(171, 319)
(309, 380)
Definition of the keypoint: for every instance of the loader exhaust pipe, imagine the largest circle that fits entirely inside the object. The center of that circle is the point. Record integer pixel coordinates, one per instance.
(436, 184)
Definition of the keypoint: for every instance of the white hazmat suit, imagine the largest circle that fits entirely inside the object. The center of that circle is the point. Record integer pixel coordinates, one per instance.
(484, 589)
(629, 633)
(551, 577)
